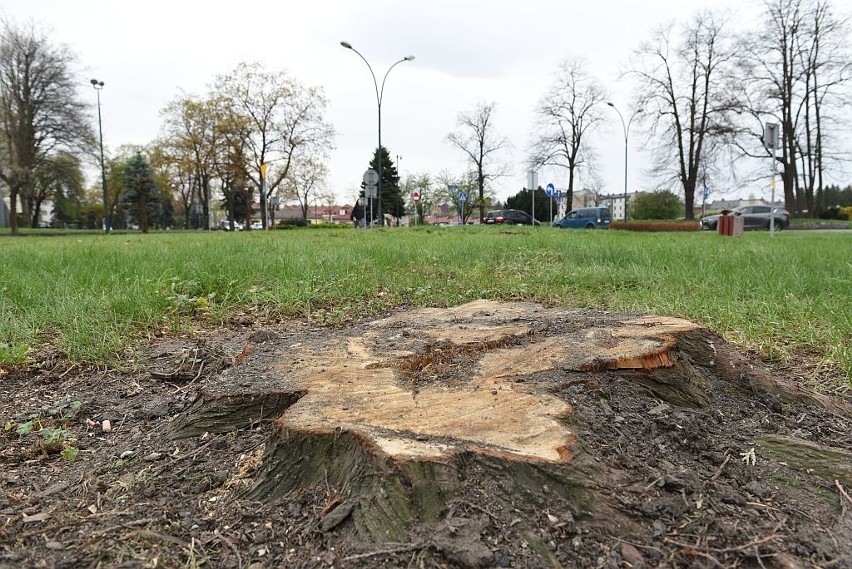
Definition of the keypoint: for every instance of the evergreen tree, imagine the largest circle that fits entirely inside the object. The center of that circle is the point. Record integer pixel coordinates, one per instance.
(391, 198)
(523, 201)
(141, 191)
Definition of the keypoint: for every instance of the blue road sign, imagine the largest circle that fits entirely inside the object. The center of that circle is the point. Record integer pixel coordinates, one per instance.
(559, 195)
(462, 197)
(549, 190)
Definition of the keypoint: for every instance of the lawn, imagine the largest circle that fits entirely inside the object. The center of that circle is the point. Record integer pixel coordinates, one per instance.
(95, 298)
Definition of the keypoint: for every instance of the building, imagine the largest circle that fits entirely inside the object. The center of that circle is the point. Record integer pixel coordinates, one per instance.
(334, 214)
(45, 214)
(581, 198)
(615, 203)
(5, 220)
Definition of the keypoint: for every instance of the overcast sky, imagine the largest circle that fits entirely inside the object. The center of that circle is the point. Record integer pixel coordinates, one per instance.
(149, 53)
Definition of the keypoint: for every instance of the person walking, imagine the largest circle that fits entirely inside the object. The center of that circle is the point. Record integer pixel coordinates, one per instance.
(357, 215)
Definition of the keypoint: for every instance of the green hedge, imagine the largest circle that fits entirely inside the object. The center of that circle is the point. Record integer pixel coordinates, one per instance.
(690, 225)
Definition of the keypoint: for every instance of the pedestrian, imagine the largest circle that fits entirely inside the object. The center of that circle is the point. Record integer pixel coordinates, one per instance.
(357, 215)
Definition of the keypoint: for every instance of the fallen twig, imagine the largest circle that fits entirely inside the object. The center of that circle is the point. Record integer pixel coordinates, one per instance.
(748, 545)
(392, 551)
(232, 547)
(692, 550)
(475, 507)
(721, 466)
(110, 529)
(842, 491)
(67, 371)
(704, 552)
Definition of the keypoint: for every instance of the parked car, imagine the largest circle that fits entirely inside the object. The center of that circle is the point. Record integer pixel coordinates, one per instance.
(754, 217)
(257, 225)
(225, 224)
(509, 217)
(586, 218)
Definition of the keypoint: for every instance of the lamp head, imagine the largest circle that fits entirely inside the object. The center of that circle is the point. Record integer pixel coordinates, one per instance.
(409, 58)
(95, 83)
(346, 44)
(610, 104)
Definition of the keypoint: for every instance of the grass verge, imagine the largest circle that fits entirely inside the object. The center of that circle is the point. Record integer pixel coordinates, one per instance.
(93, 296)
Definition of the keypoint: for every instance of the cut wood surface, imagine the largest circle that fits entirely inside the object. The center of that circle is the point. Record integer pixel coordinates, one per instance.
(430, 383)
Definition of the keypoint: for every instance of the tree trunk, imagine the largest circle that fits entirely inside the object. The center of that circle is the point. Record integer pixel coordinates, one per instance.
(13, 208)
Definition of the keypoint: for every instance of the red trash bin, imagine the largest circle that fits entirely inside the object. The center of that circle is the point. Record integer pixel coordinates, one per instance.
(729, 224)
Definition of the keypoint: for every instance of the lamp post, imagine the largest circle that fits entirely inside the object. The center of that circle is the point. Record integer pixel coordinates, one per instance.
(626, 129)
(379, 94)
(98, 85)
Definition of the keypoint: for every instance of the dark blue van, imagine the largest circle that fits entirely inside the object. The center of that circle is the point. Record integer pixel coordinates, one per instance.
(585, 218)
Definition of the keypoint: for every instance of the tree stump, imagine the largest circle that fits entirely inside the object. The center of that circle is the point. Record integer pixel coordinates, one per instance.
(399, 414)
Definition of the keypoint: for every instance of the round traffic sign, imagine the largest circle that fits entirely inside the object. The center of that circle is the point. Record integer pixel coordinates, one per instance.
(416, 197)
(371, 177)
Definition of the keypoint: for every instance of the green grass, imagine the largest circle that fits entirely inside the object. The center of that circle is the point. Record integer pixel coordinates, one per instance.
(93, 297)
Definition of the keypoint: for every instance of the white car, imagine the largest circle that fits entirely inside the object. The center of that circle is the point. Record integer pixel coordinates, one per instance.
(256, 225)
(226, 225)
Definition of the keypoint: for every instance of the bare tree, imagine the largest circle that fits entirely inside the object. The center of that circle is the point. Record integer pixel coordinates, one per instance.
(305, 179)
(282, 122)
(423, 184)
(684, 76)
(40, 111)
(189, 140)
(476, 138)
(447, 187)
(566, 116)
(791, 72)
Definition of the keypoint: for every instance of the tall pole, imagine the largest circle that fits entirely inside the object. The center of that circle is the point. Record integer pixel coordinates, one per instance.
(771, 138)
(98, 85)
(397, 212)
(379, 96)
(626, 129)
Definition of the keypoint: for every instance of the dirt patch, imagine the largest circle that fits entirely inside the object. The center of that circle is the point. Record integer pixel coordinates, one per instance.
(484, 436)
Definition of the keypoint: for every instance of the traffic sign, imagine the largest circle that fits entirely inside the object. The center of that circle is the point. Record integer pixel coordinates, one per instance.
(371, 177)
(416, 197)
(462, 197)
(559, 195)
(549, 190)
(770, 135)
(532, 181)
(371, 191)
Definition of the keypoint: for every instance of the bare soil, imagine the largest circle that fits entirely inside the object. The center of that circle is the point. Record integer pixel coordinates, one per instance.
(466, 438)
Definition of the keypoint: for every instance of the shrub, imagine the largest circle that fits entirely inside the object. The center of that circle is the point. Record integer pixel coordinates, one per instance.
(292, 223)
(331, 226)
(656, 225)
(661, 204)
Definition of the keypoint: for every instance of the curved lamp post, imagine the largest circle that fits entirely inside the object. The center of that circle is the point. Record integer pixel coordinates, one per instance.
(98, 85)
(379, 94)
(626, 129)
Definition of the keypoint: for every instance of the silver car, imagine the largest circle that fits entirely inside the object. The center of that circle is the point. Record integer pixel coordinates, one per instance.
(754, 217)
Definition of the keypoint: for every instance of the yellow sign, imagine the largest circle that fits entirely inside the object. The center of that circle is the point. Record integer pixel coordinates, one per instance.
(263, 171)
(772, 183)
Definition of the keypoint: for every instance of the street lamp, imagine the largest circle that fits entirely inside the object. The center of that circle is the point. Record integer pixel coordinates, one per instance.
(379, 94)
(98, 85)
(626, 129)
